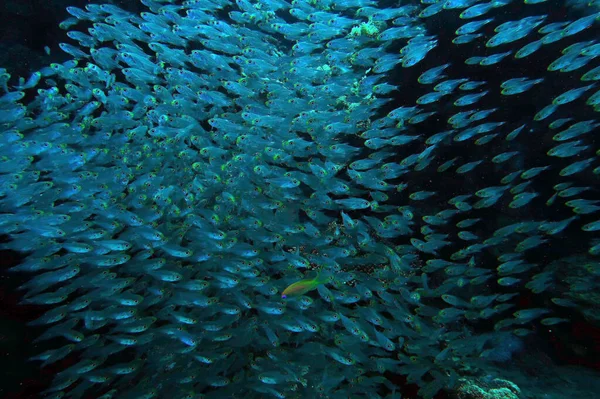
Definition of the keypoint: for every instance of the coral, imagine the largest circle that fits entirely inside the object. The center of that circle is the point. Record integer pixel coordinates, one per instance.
(482, 389)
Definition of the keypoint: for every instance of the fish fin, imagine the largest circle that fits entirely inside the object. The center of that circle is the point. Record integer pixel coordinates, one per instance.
(323, 277)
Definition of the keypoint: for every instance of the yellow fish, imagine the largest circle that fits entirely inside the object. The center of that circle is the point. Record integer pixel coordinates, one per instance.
(303, 286)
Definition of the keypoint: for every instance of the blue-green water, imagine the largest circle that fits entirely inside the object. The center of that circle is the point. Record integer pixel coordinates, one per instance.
(308, 199)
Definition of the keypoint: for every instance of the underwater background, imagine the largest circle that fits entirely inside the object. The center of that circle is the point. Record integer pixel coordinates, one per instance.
(304, 199)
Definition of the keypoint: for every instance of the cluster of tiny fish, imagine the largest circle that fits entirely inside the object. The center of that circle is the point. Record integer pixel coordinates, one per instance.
(189, 163)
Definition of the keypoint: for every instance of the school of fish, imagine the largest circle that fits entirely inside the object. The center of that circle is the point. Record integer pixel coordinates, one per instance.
(296, 199)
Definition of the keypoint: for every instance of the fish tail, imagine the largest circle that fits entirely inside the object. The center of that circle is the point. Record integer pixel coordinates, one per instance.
(323, 277)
